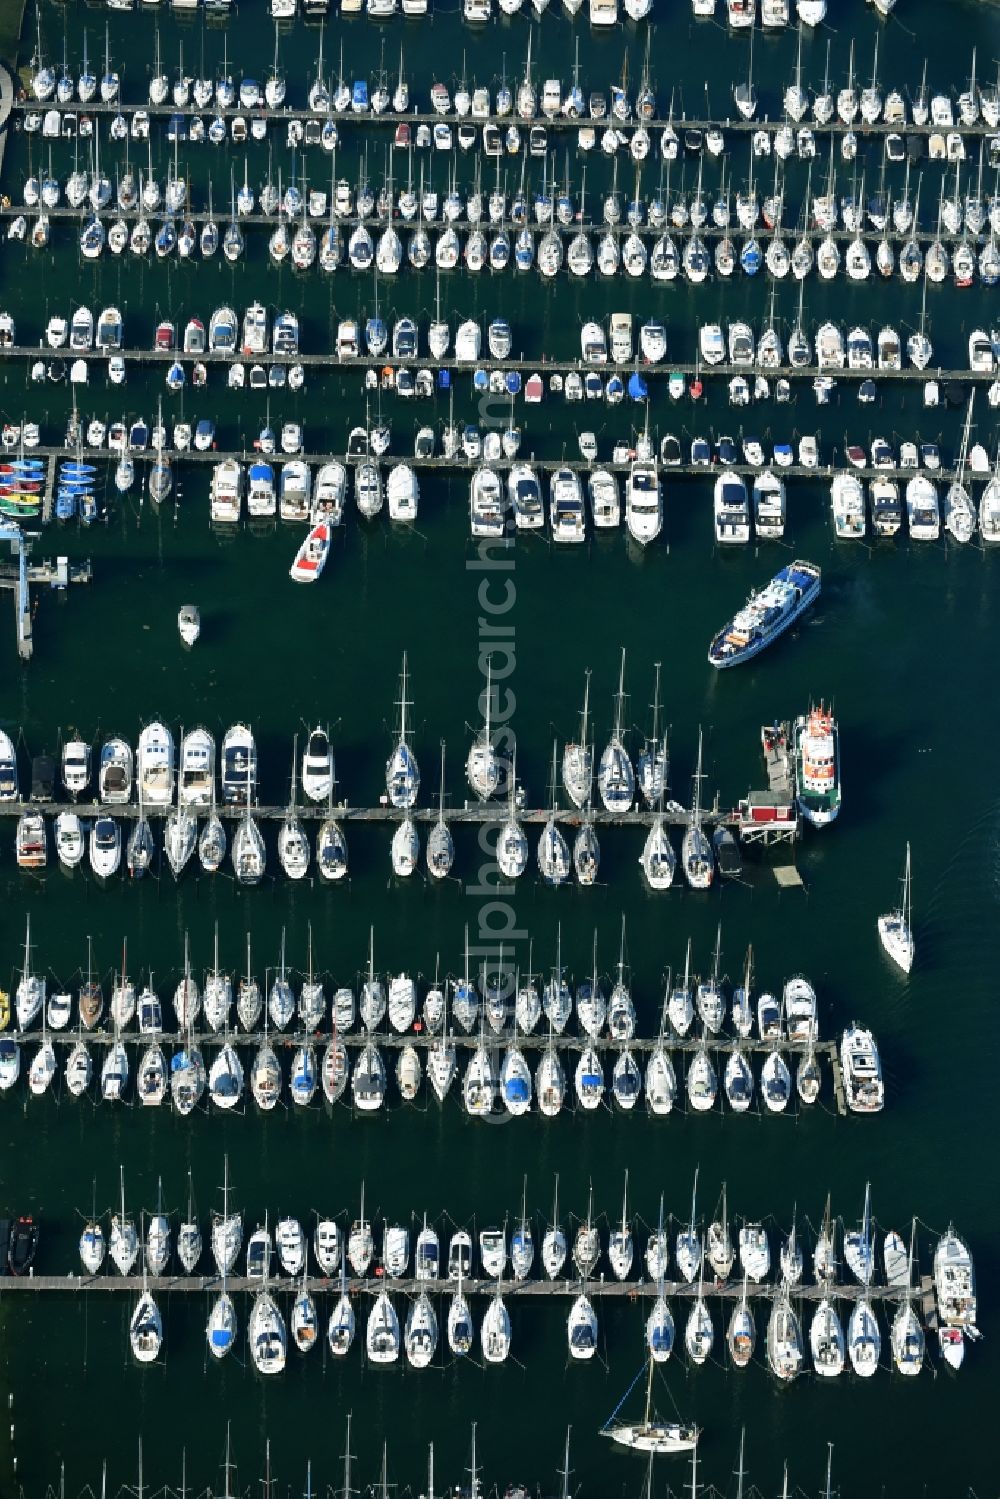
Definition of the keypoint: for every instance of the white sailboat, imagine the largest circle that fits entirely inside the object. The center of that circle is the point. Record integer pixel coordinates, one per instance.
(895, 928)
(482, 767)
(615, 774)
(651, 1434)
(578, 759)
(402, 775)
(696, 851)
(440, 848)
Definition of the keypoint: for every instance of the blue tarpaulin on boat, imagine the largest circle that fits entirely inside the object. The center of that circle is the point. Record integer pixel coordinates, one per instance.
(517, 1090)
(444, 379)
(480, 380)
(637, 387)
(512, 382)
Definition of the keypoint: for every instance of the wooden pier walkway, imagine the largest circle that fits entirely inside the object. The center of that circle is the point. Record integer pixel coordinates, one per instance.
(20, 575)
(367, 119)
(474, 814)
(460, 466)
(709, 232)
(629, 1290)
(723, 1045)
(544, 365)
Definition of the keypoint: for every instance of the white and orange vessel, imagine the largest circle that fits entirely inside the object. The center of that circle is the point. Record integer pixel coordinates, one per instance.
(817, 766)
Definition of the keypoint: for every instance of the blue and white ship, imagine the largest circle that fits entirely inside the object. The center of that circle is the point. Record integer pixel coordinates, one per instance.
(766, 614)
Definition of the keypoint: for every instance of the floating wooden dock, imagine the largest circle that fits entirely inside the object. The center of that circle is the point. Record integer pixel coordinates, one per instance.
(460, 465)
(709, 232)
(474, 814)
(564, 1287)
(492, 1041)
(543, 365)
(366, 119)
(21, 574)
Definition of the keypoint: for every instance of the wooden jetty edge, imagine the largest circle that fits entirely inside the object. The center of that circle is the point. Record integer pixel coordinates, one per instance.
(566, 1286)
(367, 119)
(494, 814)
(331, 365)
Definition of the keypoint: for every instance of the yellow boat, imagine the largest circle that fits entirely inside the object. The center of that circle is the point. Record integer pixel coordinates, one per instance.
(4, 1009)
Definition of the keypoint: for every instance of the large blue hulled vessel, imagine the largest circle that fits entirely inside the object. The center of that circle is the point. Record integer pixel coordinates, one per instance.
(766, 614)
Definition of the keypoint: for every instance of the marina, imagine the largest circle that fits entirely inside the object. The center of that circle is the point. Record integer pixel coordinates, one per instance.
(343, 822)
(946, 1299)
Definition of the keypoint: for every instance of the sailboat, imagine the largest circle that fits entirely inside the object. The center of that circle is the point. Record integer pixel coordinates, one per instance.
(554, 1245)
(858, 1248)
(615, 774)
(696, 851)
(281, 1000)
(578, 759)
(304, 1319)
(342, 1325)
(741, 1334)
(581, 1328)
(440, 848)
(620, 1246)
(189, 1235)
(959, 511)
(906, 1335)
(402, 774)
(294, 851)
(784, 1338)
(661, 1079)
(267, 1333)
(146, 1326)
(688, 1250)
(699, 1333)
(651, 1434)
(512, 843)
(553, 851)
(895, 928)
(123, 1241)
(826, 1340)
(719, 1243)
(93, 1245)
(494, 1334)
(482, 767)
(212, 842)
(373, 1000)
(222, 1325)
(360, 1242)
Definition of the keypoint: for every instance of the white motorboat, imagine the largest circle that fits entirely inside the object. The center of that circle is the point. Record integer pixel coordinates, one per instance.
(155, 765)
(402, 493)
(862, 1071)
(310, 559)
(643, 502)
(105, 847)
(189, 616)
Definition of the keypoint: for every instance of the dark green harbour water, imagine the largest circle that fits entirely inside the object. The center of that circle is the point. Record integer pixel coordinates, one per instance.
(902, 643)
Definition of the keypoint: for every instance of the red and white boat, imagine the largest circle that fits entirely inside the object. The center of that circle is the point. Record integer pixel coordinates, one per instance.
(310, 559)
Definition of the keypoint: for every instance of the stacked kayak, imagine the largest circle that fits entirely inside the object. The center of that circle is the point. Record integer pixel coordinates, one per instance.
(22, 481)
(75, 491)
